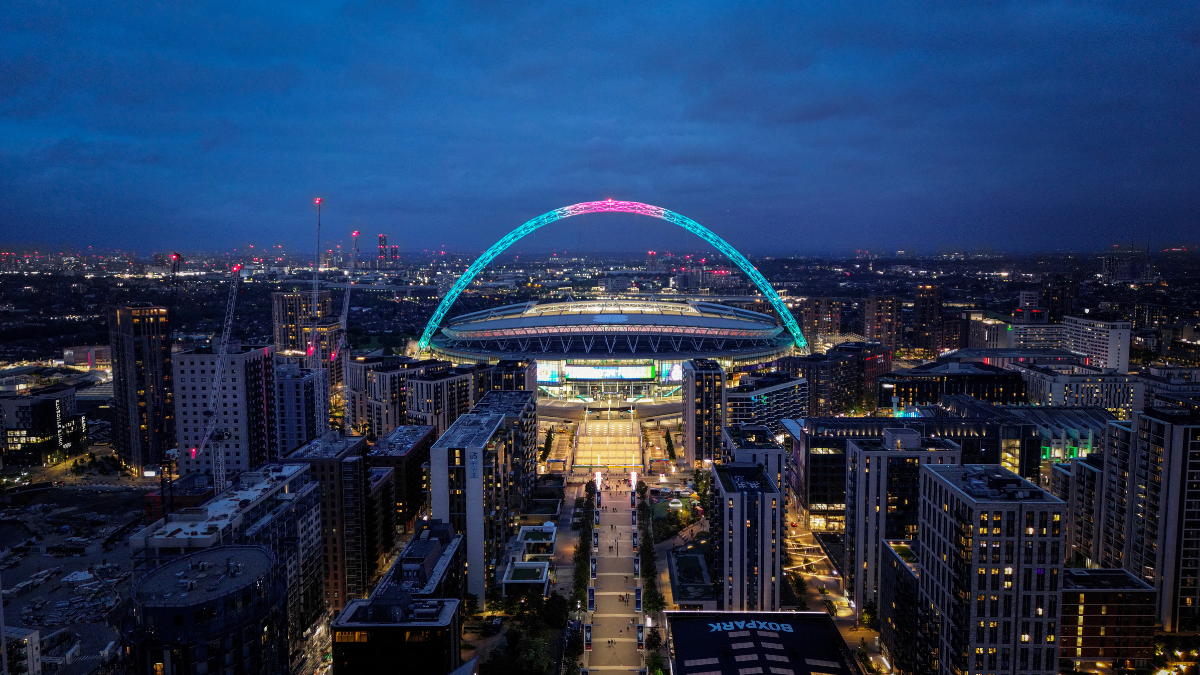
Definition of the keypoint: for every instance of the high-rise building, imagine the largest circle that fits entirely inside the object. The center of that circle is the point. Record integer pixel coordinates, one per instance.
(881, 321)
(905, 638)
(412, 617)
(356, 386)
(766, 399)
(819, 317)
(1105, 342)
(927, 320)
(703, 410)
(985, 333)
(1080, 483)
(991, 557)
(406, 450)
(354, 521)
(201, 612)
(872, 360)
(244, 415)
(1058, 297)
(1149, 462)
(386, 392)
(394, 255)
(818, 478)
(383, 250)
(884, 472)
(277, 507)
(755, 444)
(438, 398)
(748, 515)
(301, 406)
(832, 379)
(41, 426)
(472, 486)
(143, 396)
(292, 313)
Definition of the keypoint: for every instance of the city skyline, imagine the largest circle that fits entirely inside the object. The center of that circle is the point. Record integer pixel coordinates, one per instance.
(817, 130)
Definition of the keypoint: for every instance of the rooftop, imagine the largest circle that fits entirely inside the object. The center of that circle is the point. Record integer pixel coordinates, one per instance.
(329, 446)
(401, 440)
(745, 479)
(624, 312)
(751, 436)
(733, 643)
(989, 483)
(200, 577)
(472, 430)
(1103, 580)
(511, 403)
(941, 368)
(903, 549)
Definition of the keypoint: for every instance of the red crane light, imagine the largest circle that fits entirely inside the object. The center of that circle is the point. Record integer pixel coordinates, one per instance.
(317, 200)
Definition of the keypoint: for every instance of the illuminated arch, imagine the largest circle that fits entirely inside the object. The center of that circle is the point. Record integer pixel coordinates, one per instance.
(621, 207)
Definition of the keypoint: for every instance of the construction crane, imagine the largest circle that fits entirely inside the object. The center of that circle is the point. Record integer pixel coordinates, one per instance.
(314, 359)
(165, 485)
(211, 432)
(343, 341)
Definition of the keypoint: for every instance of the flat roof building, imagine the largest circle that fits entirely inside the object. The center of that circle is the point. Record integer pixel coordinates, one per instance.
(737, 643)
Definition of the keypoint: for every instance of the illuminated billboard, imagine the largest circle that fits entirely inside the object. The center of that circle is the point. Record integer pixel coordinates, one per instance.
(672, 372)
(643, 372)
(547, 373)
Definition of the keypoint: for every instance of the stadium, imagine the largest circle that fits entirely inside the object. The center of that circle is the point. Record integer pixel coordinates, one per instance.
(614, 349)
(623, 349)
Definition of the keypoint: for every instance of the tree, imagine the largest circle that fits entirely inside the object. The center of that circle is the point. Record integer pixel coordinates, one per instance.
(870, 615)
(468, 606)
(654, 640)
(655, 665)
(642, 490)
(557, 611)
(532, 657)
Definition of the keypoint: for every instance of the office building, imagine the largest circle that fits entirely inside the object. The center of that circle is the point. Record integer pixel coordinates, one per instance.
(292, 313)
(991, 556)
(703, 410)
(143, 396)
(832, 380)
(749, 537)
(477, 483)
(1082, 386)
(766, 399)
(1036, 336)
(1104, 342)
(41, 426)
(242, 402)
(301, 406)
(818, 478)
(405, 450)
(1079, 482)
(1147, 526)
(355, 524)
(223, 610)
(985, 333)
(927, 383)
(411, 620)
(881, 321)
(818, 317)
(277, 507)
(436, 399)
(1107, 619)
(927, 320)
(884, 472)
(755, 444)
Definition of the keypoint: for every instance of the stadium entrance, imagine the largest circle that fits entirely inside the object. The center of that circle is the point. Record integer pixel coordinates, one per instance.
(609, 437)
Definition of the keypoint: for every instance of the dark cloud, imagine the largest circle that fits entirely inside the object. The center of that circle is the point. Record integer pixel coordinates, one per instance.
(787, 127)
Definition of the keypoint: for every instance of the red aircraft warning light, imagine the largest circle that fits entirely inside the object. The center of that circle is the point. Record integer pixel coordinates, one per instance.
(317, 201)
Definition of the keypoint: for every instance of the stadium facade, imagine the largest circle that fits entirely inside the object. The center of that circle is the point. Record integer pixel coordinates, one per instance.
(614, 349)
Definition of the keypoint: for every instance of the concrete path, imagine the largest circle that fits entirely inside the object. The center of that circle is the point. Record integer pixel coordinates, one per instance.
(614, 622)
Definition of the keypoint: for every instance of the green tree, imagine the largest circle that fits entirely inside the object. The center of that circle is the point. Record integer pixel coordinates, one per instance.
(870, 615)
(532, 656)
(557, 611)
(654, 640)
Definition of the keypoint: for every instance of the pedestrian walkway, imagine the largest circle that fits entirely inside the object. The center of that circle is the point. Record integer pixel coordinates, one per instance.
(614, 621)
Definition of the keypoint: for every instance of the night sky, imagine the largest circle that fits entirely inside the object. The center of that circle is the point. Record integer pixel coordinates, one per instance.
(824, 128)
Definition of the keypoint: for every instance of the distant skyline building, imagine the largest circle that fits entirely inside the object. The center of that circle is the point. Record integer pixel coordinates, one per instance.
(143, 394)
(882, 322)
(927, 320)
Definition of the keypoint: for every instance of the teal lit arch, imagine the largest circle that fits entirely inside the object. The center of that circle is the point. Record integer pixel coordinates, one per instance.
(611, 205)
